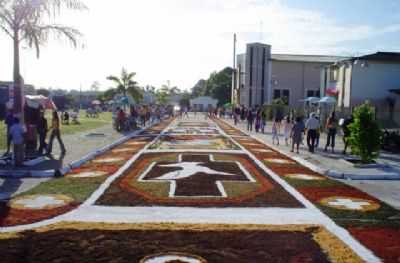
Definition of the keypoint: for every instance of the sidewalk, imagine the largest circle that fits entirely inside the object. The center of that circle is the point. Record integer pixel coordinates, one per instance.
(333, 165)
(78, 146)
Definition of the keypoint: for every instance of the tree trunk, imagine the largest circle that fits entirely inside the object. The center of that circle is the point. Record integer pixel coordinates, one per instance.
(18, 88)
(18, 92)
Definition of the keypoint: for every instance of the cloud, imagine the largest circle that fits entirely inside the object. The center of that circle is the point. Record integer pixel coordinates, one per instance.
(180, 40)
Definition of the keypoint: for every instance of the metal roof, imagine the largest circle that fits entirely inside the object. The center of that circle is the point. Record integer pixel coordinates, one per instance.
(381, 56)
(307, 58)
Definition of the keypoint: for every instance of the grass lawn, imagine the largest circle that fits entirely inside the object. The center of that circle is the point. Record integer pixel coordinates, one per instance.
(85, 125)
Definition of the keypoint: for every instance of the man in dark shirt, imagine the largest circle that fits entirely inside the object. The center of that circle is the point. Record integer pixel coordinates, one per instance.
(42, 129)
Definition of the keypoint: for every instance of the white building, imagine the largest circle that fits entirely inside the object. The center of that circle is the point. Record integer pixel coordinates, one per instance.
(203, 103)
(374, 77)
(262, 76)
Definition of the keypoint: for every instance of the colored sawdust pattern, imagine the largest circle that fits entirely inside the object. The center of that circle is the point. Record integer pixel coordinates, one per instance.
(374, 223)
(213, 243)
(184, 142)
(133, 190)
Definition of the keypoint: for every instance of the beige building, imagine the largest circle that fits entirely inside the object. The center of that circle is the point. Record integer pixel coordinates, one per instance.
(374, 77)
(263, 77)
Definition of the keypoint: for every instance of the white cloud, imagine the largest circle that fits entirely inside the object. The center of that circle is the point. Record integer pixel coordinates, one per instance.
(178, 40)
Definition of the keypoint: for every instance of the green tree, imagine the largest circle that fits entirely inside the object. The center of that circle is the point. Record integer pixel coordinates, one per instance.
(365, 138)
(30, 21)
(44, 92)
(162, 96)
(107, 95)
(218, 86)
(126, 85)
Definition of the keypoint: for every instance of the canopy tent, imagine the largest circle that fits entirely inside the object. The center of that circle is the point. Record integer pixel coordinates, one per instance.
(327, 100)
(96, 102)
(311, 99)
(36, 101)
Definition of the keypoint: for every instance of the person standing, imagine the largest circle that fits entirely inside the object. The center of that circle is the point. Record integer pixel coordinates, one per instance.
(42, 129)
(346, 132)
(312, 125)
(296, 134)
(17, 138)
(55, 133)
(331, 127)
(287, 128)
(9, 121)
(250, 120)
(263, 121)
(258, 121)
(275, 128)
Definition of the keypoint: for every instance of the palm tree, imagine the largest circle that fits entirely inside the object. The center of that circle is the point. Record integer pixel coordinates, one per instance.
(125, 84)
(27, 21)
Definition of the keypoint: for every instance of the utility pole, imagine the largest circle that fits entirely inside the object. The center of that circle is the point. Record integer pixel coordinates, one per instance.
(234, 86)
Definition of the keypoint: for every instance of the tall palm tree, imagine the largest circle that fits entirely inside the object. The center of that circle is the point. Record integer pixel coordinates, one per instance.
(126, 85)
(28, 21)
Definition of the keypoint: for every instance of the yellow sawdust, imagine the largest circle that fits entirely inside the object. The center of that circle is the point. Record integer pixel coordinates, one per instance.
(336, 250)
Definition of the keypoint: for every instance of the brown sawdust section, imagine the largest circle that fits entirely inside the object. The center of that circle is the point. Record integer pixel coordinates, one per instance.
(78, 242)
(271, 194)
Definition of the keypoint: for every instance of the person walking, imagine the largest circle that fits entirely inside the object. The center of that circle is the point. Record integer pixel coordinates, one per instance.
(296, 134)
(263, 121)
(275, 131)
(346, 132)
(331, 127)
(17, 138)
(55, 133)
(312, 125)
(258, 121)
(42, 129)
(287, 128)
(250, 120)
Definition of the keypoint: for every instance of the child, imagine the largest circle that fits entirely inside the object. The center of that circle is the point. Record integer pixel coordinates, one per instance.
(296, 134)
(275, 132)
(287, 129)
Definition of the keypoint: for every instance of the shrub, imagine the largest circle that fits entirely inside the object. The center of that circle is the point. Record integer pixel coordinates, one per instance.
(365, 134)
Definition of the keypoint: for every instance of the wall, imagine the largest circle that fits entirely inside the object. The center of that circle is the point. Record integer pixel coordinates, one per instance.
(297, 77)
(374, 81)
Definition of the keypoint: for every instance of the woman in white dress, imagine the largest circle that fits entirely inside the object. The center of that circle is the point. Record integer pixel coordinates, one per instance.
(288, 125)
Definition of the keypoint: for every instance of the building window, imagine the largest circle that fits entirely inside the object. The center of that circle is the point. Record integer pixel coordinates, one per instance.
(277, 94)
(313, 93)
(283, 94)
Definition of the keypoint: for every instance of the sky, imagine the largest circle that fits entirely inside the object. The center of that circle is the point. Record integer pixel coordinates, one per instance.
(182, 41)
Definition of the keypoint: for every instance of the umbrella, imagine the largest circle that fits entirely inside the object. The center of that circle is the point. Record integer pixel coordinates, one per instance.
(40, 100)
(311, 99)
(327, 100)
(96, 102)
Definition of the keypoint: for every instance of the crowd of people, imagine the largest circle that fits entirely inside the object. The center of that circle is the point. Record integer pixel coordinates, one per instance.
(20, 136)
(141, 115)
(295, 130)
